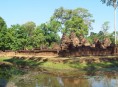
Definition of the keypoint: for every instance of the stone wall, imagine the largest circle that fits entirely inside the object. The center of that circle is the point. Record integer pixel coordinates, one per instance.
(28, 53)
(71, 52)
(89, 51)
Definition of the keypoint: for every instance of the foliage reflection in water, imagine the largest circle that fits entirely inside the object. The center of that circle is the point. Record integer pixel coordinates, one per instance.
(39, 79)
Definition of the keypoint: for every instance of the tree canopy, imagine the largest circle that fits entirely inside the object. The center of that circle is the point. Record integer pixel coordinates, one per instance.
(67, 17)
(29, 35)
(3, 34)
(109, 2)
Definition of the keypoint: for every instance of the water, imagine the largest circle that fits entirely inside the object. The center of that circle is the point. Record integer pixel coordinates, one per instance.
(41, 79)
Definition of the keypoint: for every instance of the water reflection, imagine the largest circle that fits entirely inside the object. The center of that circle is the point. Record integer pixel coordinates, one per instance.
(48, 80)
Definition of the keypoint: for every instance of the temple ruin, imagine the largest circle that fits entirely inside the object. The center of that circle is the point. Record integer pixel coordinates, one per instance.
(73, 46)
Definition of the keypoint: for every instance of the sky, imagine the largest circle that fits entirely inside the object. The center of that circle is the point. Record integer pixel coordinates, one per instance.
(40, 11)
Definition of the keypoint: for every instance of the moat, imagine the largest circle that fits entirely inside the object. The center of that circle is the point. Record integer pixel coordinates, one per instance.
(36, 78)
(58, 72)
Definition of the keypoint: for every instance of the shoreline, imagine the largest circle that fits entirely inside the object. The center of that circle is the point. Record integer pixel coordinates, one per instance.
(10, 66)
(67, 63)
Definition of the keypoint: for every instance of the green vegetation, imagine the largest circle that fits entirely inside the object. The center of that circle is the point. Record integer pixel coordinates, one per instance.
(109, 2)
(103, 33)
(78, 20)
(4, 58)
(53, 65)
(29, 36)
(96, 66)
(8, 72)
(23, 62)
(35, 62)
(21, 65)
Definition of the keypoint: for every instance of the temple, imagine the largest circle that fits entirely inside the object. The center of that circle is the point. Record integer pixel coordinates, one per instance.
(73, 46)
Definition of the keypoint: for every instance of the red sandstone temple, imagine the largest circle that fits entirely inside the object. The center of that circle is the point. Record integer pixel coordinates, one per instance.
(78, 46)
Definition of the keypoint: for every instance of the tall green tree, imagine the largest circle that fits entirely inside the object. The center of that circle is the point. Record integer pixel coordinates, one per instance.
(38, 37)
(113, 3)
(3, 32)
(25, 36)
(85, 15)
(27, 30)
(15, 37)
(50, 32)
(109, 2)
(105, 27)
(77, 25)
(21, 36)
(101, 34)
(63, 15)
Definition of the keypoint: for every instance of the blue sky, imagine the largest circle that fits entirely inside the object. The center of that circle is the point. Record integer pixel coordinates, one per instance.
(40, 11)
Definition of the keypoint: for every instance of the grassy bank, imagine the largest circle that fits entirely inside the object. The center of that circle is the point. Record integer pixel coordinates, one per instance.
(56, 63)
(20, 65)
(32, 62)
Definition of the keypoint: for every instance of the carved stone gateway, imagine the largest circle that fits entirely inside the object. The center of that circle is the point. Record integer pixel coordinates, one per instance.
(74, 40)
(83, 41)
(64, 42)
(106, 43)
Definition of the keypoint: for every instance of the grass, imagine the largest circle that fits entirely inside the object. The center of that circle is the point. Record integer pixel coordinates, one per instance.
(8, 72)
(32, 62)
(22, 65)
(56, 68)
(56, 65)
(78, 65)
(22, 62)
(4, 58)
(96, 66)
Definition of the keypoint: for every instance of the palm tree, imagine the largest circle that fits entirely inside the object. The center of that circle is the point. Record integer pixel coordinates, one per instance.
(113, 3)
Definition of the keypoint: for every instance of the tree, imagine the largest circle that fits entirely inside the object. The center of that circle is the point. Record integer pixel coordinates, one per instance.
(21, 36)
(92, 36)
(62, 15)
(3, 32)
(15, 37)
(25, 36)
(85, 15)
(113, 3)
(49, 31)
(77, 25)
(101, 34)
(105, 27)
(109, 2)
(38, 37)
(27, 30)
